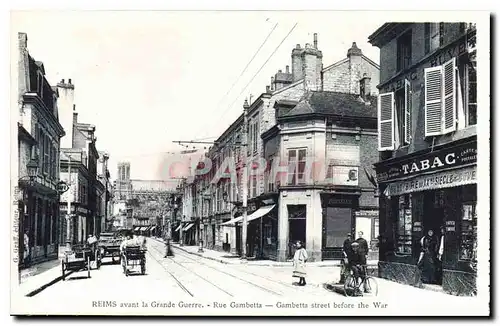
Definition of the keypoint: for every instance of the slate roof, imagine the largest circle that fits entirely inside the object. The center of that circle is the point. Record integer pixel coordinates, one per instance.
(335, 103)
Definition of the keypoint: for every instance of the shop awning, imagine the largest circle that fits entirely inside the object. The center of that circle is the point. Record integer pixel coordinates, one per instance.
(255, 215)
(178, 228)
(148, 228)
(189, 226)
(137, 228)
(153, 228)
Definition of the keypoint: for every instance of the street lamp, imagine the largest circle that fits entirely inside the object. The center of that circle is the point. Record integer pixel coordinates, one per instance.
(168, 249)
(32, 167)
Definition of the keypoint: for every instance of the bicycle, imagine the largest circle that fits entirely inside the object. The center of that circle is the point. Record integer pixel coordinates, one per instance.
(353, 287)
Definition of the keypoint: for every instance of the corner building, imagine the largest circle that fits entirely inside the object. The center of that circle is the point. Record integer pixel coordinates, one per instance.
(427, 113)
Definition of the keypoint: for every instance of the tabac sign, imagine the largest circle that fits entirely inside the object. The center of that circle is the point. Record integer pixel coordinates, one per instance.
(454, 156)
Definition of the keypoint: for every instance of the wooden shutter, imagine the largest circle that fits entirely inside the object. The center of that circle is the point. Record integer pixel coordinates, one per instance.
(450, 97)
(407, 113)
(386, 121)
(433, 101)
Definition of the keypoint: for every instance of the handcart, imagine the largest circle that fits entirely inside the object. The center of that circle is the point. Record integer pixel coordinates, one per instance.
(77, 260)
(134, 256)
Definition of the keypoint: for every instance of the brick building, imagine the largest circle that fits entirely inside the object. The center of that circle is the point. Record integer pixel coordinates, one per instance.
(427, 143)
(307, 75)
(39, 134)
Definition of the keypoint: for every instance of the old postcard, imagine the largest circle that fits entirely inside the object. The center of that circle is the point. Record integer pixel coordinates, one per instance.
(247, 163)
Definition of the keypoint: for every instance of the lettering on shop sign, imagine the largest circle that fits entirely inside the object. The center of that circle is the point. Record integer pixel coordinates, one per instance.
(441, 57)
(440, 180)
(335, 201)
(450, 229)
(417, 228)
(437, 59)
(417, 223)
(450, 223)
(455, 156)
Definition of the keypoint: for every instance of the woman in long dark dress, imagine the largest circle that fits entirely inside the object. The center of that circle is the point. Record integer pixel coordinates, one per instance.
(427, 261)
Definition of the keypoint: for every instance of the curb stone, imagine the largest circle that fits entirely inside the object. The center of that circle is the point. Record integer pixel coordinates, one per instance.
(249, 263)
(46, 285)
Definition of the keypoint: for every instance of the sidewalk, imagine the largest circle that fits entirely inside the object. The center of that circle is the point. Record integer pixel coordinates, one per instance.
(228, 258)
(40, 276)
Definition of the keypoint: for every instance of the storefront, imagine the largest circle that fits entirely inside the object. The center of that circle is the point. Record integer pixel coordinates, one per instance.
(262, 228)
(339, 219)
(430, 190)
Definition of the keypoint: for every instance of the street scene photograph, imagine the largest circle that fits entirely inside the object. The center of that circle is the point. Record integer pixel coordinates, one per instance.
(249, 163)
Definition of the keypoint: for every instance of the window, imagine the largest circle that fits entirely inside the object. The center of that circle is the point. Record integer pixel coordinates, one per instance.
(46, 153)
(395, 118)
(468, 91)
(434, 33)
(296, 166)
(404, 225)
(451, 96)
(254, 186)
(270, 176)
(468, 232)
(404, 51)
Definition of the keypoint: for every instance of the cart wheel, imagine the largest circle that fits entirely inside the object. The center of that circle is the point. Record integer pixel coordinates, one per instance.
(88, 266)
(62, 267)
(143, 267)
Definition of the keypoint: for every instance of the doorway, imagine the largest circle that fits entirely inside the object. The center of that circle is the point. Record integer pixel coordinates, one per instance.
(434, 219)
(296, 226)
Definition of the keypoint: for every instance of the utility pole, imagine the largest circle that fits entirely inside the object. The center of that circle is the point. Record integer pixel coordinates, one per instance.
(68, 212)
(245, 180)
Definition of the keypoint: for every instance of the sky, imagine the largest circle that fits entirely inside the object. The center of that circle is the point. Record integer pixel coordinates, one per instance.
(148, 78)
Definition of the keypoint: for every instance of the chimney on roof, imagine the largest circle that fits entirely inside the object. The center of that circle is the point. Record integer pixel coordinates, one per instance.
(272, 83)
(354, 54)
(315, 40)
(297, 67)
(287, 69)
(69, 81)
(312, 59)
(365, 87)
(268, 89)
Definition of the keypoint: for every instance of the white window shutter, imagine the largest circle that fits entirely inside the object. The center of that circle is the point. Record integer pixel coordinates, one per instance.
(407, 117)
(433, 101)
(450, 97)
(386, 121)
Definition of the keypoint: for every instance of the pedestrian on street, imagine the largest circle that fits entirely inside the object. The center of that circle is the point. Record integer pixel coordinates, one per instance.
(26, 242)
(363, 247)
(168, 248)
(427, 262)
(347, 251)
(299, 262)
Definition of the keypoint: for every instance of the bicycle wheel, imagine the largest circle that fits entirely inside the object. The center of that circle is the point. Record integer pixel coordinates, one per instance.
(350, 286)
(370, 287)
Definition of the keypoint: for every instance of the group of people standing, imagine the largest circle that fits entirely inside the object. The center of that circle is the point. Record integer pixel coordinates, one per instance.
(355, 258)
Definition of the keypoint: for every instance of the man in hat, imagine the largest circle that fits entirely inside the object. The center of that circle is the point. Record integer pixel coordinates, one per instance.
(347, 251)
(356, 262)
(363, 246)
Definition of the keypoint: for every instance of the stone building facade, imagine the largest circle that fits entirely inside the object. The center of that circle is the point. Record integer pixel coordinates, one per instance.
(307, 75)
(428, 145)
(39, 134)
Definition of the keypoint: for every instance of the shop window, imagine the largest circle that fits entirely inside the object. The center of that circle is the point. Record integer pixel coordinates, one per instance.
(468, 232)
(404, 242)
(404, 51)
(338, 222)
(39, 220)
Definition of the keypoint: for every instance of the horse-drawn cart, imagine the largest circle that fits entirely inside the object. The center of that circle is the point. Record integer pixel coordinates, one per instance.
(134, 256)
(79, 259)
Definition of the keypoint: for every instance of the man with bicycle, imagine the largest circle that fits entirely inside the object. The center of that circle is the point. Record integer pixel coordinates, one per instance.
(357, 261)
